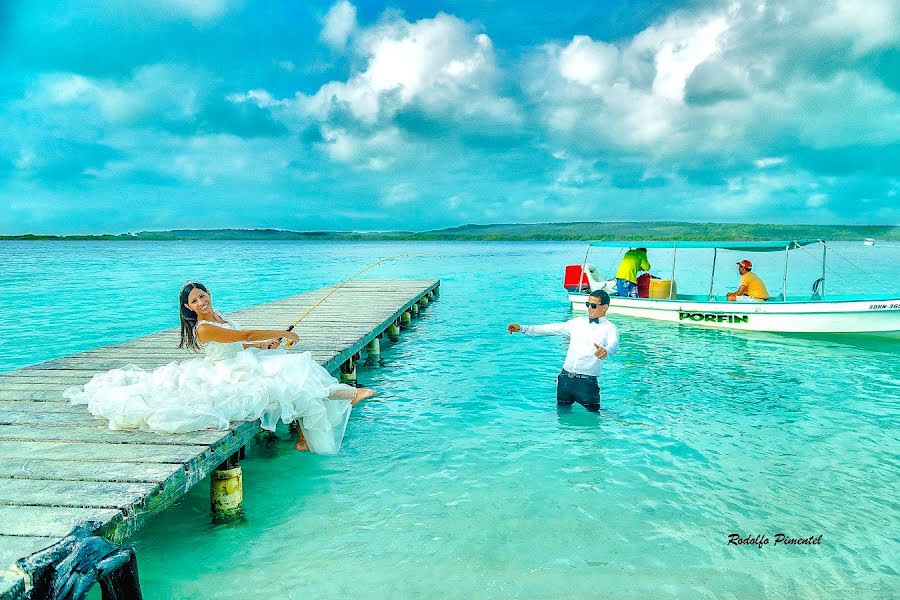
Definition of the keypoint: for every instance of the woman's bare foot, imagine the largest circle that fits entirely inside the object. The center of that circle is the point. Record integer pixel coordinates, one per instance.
(301, 444)
(362, 394)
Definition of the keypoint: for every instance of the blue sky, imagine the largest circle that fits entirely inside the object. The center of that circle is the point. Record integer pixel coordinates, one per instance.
(126, 115)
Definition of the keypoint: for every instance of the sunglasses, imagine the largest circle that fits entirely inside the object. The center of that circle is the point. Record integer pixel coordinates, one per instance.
(593, 304)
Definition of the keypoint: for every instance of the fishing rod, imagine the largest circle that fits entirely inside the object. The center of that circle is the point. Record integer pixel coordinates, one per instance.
(288, 344)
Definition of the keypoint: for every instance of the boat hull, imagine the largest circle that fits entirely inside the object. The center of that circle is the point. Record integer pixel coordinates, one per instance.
(840, 316)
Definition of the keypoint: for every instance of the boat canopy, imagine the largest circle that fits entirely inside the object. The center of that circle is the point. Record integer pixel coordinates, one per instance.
(765, 246)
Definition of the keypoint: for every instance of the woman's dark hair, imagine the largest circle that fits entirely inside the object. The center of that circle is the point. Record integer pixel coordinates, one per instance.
(188, 317)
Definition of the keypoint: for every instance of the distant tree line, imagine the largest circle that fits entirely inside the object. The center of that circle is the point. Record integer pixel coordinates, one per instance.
(633, 231)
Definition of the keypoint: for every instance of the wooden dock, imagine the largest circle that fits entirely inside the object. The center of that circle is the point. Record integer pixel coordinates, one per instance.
(60, 467)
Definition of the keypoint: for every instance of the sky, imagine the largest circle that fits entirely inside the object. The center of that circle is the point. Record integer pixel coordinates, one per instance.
(132, 115)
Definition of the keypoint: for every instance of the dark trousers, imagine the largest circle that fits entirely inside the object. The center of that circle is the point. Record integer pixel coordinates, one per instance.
(583, 390)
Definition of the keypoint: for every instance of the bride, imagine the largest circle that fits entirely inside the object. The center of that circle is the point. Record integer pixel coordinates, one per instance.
(242, 378)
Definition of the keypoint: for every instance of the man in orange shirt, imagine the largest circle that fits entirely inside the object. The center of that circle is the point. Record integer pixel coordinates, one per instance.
(751, 289)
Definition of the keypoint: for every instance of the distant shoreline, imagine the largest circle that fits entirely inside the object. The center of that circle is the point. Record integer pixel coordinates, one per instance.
(561, 232)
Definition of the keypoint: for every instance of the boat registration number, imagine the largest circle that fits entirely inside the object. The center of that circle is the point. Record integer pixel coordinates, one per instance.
(884, 306)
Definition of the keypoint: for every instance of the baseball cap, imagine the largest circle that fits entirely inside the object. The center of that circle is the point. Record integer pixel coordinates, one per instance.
(746, 264)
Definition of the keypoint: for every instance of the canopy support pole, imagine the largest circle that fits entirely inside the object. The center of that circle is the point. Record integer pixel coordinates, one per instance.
(583, 272)
(712, 279)
(784, 281)
(672, 282)
(824, 249)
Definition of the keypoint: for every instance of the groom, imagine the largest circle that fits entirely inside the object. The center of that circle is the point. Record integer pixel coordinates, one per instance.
(591, 340)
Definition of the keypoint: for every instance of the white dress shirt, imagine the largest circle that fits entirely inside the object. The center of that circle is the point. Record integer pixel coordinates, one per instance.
(582, 336)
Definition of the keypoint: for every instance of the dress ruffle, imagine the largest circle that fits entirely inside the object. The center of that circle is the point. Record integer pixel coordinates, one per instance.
(209, 393)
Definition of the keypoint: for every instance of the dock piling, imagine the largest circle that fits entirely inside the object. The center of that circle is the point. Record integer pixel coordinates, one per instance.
(373, 351)
(348, 372)
(393, 331)
(226, 493)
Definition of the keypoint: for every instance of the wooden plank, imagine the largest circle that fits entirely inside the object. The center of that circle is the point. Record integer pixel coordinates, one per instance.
(38, 395)
(99, 452)
(102, 433)
(51, 521)
(74, 470)
(80, 494)
(46, 407)
(59, 419)
(12, 548)
(33, 386)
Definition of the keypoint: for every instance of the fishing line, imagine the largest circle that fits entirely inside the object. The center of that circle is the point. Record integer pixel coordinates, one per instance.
(861, 270)
(833, 271)
(288, 344)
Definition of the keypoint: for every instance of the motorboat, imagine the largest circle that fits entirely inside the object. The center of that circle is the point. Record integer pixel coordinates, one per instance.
(812, 313)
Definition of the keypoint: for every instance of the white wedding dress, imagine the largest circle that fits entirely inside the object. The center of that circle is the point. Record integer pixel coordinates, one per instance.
(229, 384)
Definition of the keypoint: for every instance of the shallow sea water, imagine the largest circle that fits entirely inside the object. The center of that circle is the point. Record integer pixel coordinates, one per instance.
(463, 481)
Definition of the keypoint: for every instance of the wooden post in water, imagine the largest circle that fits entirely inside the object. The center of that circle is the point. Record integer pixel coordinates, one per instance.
(348, 372)
(393, 330)
(405, 318)
(424, 301)
(414, 310)
(226, 492)
(373, 351)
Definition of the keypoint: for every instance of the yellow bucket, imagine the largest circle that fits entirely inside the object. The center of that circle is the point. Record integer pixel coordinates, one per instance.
(660, 288)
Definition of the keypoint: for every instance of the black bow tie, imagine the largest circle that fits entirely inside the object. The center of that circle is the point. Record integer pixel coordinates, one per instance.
(593, 320)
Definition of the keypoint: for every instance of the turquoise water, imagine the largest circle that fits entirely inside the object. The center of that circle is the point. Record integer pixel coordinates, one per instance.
(463, 481)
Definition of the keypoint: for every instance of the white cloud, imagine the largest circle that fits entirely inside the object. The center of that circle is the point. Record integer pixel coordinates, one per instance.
(401, 193)
(870, 24)
(166, 92)
(588, 62)
(722, 87)
(438, 64)
(768, 162)
(340, 22)
(439, 73)
(816, 200)
(260, 98)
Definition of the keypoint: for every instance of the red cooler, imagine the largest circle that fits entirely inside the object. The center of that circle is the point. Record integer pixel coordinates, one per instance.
(575, 280)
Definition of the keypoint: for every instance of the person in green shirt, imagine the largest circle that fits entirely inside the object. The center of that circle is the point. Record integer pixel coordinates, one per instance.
(626, 277)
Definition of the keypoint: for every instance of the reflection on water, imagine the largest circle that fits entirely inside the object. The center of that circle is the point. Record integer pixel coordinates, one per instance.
(463, 480)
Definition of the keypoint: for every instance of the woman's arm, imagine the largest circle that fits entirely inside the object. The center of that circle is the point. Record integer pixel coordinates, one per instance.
(211, 333)
(267, 345)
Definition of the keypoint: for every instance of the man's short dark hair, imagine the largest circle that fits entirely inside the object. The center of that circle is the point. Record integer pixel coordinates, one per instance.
(600, 295)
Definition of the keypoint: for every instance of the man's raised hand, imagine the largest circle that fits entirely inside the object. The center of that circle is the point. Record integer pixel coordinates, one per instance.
(514, 328)
(600, 352)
